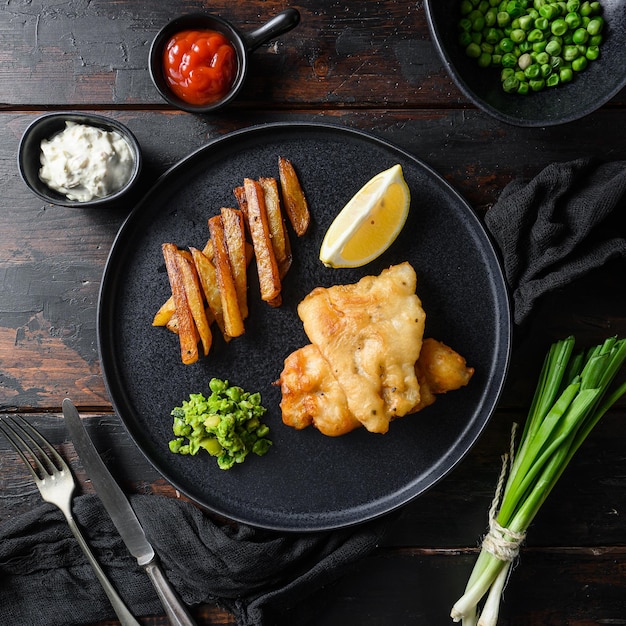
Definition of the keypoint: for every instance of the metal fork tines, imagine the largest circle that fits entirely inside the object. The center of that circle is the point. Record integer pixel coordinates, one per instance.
(56, 484)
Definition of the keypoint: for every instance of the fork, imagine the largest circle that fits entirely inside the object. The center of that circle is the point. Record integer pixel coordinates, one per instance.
(56, 485)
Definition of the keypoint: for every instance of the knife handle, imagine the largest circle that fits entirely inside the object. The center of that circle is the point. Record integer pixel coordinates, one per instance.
(174, 608)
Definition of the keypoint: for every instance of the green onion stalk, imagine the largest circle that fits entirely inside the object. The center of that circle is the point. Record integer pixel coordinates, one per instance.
(573, 392)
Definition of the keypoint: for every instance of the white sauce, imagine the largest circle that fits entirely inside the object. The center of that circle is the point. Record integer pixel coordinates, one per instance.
(83, 162)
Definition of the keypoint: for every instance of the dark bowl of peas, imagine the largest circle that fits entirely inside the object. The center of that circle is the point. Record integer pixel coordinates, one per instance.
(532, 62)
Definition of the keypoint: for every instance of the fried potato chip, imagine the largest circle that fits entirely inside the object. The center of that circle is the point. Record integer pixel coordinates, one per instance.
(276, 223)
(208, 280)
(193, 291)
(165, 313)
(240, 196)
(172, 324)
(235, 235)
(233, 320)
(208, 250)
(267, 267)
(187, 332)
(294, 202)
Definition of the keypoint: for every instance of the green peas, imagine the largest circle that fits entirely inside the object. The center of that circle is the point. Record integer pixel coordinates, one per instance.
(552, 80)
(509, 60)
(478, 23)
(465, 25)
(595, 26)
(515, 8)
(535, 35)
(570, 52)
(553, 48)
(585, 9)
(511, 84)
(524, 61)
(507, 45)
(556, 62)
(573, 21)
(558, 27)
(537, 84)
(592, 53)
(526, 22)
(518, 35)
(549, 11)
(533, 71)
(491, 18)
(535, 43)
(492, 36)
(506, 72)
(503, 19)
(473, 51)
(484, 60)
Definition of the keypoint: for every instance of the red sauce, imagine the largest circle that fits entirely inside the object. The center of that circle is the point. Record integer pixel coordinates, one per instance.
(200, 66)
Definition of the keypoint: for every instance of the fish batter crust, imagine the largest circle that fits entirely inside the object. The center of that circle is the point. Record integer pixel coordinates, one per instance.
(311, 394)
(367, 362)
(370, 335)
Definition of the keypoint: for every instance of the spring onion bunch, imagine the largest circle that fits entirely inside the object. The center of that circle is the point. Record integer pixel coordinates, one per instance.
(573, 392)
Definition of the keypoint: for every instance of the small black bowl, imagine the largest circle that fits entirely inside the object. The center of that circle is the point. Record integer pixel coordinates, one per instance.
(45, 127)
(244, 43)
(592, 88)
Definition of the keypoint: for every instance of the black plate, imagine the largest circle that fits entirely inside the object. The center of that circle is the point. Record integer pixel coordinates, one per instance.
(307, 481)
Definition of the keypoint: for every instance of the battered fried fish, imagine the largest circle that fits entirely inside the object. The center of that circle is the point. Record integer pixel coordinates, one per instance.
(439, 369)
(311, 394)
(370, 335)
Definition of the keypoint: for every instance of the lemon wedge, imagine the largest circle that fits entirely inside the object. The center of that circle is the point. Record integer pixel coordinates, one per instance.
(369, 223)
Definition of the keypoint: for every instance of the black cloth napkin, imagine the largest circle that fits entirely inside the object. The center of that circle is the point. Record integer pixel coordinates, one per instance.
(565, 222)
(262, 577)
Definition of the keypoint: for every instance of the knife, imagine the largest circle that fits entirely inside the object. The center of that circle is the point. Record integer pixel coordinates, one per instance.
(118, 507)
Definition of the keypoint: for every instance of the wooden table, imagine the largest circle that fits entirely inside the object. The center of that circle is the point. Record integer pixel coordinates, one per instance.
(365, 65)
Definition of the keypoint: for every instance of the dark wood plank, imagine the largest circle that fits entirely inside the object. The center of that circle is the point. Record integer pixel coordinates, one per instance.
(420, 586)
(353, 56)
(98, 54)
